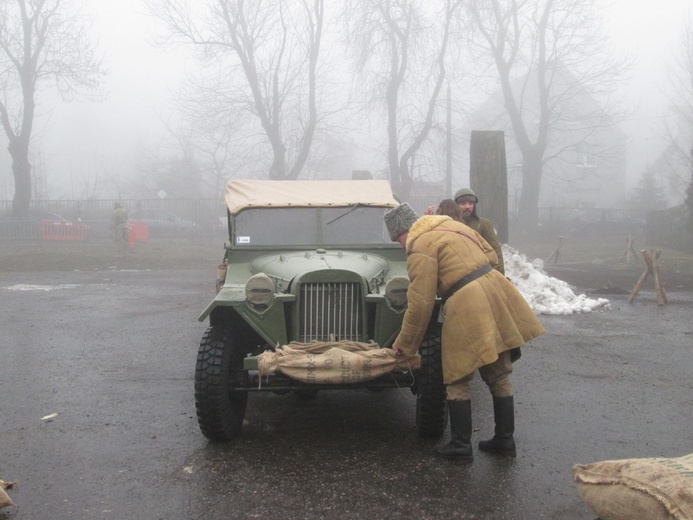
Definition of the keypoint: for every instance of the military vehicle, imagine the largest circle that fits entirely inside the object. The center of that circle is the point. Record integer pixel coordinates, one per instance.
(307, 261)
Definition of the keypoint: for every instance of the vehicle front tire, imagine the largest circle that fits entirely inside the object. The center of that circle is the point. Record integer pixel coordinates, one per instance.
(431, 404)
(220, 401)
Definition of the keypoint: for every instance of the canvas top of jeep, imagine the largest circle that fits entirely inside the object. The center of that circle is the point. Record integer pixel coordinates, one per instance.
(309, 268)
(247, 193)
(278, 214)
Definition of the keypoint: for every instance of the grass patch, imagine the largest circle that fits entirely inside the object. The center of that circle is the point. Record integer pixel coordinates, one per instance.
(606, 250)
(80, 256)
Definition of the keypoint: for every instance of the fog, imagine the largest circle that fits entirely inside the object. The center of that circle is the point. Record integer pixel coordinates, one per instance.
(91, 146)
(650, 31)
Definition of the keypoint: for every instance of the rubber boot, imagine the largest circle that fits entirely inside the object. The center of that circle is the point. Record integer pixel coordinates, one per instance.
(459, 447)
(504, 416)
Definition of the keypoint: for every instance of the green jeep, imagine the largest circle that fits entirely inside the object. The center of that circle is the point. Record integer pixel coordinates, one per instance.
(307, 261)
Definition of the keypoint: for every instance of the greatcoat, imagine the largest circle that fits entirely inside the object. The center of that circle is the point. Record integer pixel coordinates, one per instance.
(482, 319)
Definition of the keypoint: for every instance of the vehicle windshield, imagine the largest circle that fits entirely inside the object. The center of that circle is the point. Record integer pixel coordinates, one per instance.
(352, 225)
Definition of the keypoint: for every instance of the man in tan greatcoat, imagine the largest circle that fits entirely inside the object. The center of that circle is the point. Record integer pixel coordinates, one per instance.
(484, 318)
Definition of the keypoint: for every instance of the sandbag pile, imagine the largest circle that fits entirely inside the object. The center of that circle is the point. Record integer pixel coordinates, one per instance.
(336, 362)
(5, 500)
(653, 489)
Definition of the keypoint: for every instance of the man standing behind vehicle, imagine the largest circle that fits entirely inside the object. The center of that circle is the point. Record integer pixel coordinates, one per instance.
(119, 227)
(467, 200)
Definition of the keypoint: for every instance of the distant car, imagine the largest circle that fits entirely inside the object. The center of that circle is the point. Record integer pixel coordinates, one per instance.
(33, 226)
(161, 222)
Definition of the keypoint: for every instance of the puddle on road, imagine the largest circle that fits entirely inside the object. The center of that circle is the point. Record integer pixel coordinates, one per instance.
(45, 288)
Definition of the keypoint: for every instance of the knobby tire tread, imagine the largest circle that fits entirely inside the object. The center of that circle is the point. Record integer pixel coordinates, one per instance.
(220, 409)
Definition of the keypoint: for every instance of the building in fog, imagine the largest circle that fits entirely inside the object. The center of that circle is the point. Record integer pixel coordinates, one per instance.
(673, 167)
(585, 161)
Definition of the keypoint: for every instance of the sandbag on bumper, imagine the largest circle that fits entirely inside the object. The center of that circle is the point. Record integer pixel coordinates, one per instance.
(336, 362)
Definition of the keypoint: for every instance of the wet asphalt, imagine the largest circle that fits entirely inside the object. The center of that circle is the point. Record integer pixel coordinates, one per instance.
(113, 355)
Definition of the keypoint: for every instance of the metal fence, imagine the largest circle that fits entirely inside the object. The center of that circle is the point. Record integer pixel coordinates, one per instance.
(670, 228)
(165, 218)
(592, 221)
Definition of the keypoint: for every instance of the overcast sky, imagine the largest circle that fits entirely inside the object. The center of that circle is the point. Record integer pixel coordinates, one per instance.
(141, 81)
(650, 31)
(139, 90)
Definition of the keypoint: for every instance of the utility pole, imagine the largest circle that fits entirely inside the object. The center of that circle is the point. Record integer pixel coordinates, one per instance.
(448, 147)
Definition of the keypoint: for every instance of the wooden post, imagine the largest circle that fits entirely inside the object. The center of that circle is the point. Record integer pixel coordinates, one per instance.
(652, 268)
(662, 297)
(630, 252)
(556, 255)
(488, 177)
(642, 278)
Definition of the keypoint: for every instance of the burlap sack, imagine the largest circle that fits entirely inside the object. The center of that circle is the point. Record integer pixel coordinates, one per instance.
(334, 363)
(5, 500)
(652, 489)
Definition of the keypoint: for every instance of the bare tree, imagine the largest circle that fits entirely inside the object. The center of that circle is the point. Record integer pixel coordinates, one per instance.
(214, 125)
(87, 185)
(536, 47)
(275, 47)
(402, 51)
(649, 192)
(679, 124)
(688, 201)
(41, 41)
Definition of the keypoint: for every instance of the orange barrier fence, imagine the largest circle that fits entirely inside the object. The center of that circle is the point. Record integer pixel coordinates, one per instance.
(137, 232)
(62, 230)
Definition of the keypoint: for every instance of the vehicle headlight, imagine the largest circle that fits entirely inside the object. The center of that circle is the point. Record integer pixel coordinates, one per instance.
(259, 289)
(396, 290)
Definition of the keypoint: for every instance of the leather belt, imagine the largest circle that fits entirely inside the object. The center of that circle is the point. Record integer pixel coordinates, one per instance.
(476, 273)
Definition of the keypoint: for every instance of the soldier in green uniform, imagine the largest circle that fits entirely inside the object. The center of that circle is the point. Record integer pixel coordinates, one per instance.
(119, 227)
(466, 199)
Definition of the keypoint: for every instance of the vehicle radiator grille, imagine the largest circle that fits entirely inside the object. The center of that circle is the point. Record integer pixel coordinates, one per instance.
(330, 312)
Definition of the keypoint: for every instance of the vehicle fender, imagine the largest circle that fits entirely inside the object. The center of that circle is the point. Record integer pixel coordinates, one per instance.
(228, 296)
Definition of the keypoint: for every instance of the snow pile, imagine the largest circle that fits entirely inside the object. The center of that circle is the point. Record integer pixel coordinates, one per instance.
(546, 295)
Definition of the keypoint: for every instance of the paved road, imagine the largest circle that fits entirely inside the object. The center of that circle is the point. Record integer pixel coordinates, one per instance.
(113, 354)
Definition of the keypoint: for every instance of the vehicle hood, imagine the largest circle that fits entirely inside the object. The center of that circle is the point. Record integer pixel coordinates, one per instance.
(289, 265)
